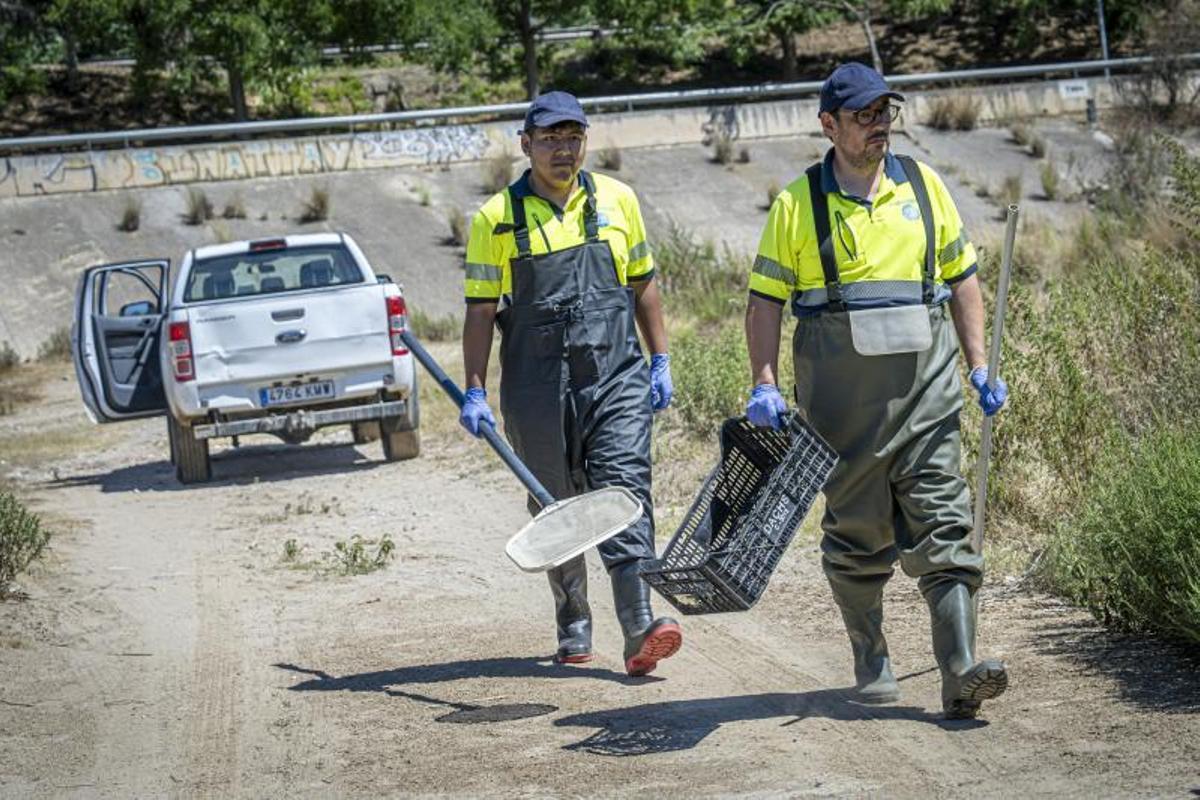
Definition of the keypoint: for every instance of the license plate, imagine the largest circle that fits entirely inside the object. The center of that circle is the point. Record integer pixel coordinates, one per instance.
(278, 395)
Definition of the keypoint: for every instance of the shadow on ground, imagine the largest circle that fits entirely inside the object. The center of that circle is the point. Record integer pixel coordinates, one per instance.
(683, 724)
(1149, 673)
(264, 463)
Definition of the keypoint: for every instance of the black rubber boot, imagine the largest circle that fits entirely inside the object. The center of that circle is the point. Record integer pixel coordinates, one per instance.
(568, 583)
(647, 640)
(966, 683)
(861, 604)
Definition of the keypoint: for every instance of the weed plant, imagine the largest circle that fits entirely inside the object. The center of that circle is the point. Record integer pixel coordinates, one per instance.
(712, 375)
(235, 208)
(1010, 191)
(9, 358)
(131, 215)
(429, 328)
(1051, 181)
(722, 148)
(353, 557)
(697, 281)
(744, 155)
(953, 112)
(497, 173)
(460, 227)
(609, 158)
(1020, 134)
(773, 191)
(22, 539)
(1038, 147)
(316, 207)
(1131, 554)
(199, 207)
(57, 346)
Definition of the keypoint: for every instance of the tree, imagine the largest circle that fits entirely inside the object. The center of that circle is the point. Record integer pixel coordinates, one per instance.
(752, 21)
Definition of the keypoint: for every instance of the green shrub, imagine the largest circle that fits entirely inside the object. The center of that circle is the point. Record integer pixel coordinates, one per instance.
(722, 148)
(1131, 554)
(353, 557)
(697, 281)
(460, 227)
(22, 539)
(434, 329)
(1010, 190)
(1038, 146)
(711, 369)
(1020, 134)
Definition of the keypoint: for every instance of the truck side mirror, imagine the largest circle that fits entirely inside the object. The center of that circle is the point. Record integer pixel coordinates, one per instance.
(139, 309)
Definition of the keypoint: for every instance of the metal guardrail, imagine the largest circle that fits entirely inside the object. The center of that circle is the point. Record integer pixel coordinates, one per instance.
(627, 102)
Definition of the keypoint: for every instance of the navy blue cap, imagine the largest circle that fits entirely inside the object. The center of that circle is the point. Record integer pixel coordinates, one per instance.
(552, 108)
(853, 86)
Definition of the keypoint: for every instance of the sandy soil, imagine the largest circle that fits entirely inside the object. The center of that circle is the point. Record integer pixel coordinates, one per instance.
(167, 648)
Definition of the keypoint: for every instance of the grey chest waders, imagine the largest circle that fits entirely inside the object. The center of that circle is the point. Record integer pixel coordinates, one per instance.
(575, 395)
(882, 387)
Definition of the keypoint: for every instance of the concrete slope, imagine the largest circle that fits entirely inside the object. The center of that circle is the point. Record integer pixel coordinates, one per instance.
(46, 241)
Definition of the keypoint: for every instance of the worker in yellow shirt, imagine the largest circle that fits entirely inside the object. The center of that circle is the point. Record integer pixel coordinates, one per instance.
(869, 250)
(559, 261)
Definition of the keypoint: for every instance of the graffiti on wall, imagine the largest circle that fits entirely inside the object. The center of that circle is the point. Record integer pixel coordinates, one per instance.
(162, 166)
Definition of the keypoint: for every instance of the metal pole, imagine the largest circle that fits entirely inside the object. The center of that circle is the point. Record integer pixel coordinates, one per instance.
(985, 438)
(1103, 36)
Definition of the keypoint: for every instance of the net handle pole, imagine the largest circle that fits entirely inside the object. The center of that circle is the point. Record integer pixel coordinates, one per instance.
(486, 430)
(985, 437)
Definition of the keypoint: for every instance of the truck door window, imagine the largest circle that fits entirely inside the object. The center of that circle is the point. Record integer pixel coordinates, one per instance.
(128, 292)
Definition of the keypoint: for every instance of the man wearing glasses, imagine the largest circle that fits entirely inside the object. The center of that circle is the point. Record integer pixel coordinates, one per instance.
(869, 250)
(559, 261)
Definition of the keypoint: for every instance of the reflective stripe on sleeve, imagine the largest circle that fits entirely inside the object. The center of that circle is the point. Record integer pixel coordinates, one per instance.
(639, 251)
(773, 270)
(952, 250)
(483, 272)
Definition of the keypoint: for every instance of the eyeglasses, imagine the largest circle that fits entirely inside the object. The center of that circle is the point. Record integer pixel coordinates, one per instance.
(868, 116)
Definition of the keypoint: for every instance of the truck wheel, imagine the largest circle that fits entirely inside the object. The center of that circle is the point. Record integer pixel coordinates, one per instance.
(364, 432)
(171, 438)
(189, 454)
(401, 445)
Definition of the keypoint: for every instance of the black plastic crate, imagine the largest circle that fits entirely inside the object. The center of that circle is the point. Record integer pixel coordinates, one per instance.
(748, 510)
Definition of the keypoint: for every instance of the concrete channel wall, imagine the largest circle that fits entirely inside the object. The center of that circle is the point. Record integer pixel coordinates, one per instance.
(147, 167)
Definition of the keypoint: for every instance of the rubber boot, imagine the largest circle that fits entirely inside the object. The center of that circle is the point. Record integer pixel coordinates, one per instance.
(568, 583)
(861, 604)
(647, 640)
(966, 683)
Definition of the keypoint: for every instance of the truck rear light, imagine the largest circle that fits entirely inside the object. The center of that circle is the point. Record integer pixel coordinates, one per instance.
(268, 244)
(397, 323)
(179, 346)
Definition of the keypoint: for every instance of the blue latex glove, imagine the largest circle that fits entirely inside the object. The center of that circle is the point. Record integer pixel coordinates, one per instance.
(990, 400)
(765, 406)
(475, 409)
(661, 387)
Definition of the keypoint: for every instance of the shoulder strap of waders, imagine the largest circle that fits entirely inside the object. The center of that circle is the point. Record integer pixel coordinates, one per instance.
(520, 224)
(913, 172)
(820, 212)
(591, 224)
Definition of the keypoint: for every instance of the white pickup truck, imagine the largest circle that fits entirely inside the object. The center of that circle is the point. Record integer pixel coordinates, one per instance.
(279, 336)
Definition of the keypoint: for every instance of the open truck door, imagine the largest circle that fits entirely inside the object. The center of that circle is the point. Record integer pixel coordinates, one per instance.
(115, 339)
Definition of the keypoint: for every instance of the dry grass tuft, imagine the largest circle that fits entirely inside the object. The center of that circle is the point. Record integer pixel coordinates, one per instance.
(131, 215)
(957, 112)
(316, 207)
(199, 207)
(497, 173)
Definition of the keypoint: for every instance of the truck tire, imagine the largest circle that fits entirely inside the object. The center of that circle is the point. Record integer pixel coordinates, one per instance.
(364, 432)
(189, 454)
(401, 445)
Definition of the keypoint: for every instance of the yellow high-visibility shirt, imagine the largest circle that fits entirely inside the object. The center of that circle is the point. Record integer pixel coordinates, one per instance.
(879, 246)
(492, 246)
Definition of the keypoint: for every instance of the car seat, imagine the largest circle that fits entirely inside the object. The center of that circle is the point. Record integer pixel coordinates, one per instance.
(316, 273)
(271, 284)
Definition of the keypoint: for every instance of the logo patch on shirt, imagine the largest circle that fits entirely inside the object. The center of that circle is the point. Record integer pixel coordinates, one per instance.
(910, 211)
(601, 219)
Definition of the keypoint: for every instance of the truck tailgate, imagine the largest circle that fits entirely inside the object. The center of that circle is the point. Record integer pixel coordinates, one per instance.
(324, 331)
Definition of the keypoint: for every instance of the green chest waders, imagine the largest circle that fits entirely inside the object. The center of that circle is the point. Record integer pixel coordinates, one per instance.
(897, 491)
(575, 395)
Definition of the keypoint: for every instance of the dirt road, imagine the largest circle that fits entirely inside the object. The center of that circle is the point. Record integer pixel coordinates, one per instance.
(168, 647)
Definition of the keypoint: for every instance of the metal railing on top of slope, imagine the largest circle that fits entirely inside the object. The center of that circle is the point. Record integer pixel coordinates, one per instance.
(627, 102)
